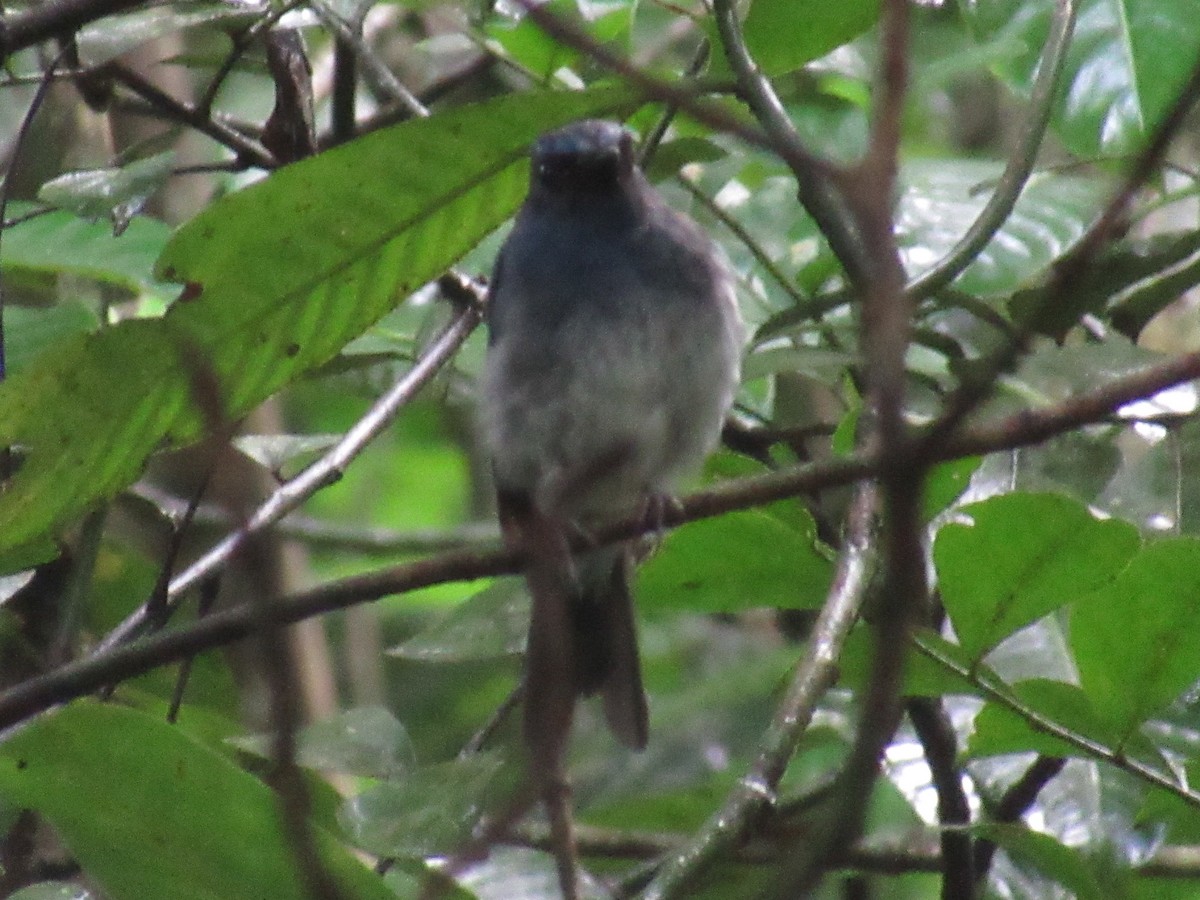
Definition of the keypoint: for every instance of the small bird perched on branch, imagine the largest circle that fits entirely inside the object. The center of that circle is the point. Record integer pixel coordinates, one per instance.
(613, 357)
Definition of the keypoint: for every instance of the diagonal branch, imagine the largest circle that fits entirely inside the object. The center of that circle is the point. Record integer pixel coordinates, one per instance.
(324, 472)
(815, 674)
(118, 663)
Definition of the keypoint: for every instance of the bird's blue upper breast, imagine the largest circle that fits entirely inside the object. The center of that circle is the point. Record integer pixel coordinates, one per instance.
(554, 271)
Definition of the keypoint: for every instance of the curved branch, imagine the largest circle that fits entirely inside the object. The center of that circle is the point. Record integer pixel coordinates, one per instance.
(47, 20)
(1020, 164)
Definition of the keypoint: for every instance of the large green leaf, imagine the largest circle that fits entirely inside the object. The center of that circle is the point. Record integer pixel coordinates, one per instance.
(150, 813)
(28, 332)
(1023, 556)
(783, 35)
(998, 730)
(1137, 640)
(1127, 61)
(279, 277)
(736, 562)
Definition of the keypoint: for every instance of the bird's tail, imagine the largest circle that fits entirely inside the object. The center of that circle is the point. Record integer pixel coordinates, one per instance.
(604, 637)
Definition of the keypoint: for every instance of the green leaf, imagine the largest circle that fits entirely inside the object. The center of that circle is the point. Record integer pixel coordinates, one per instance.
(542, 55)
(1137, 640)
(1131, 281)
(369, 742)
(999, 730)
(923, 677)
(149, 813)
(425, 812)
(1143, 278)
(783, 35)
(1023, 556)
(274, 451)
(117, 194)
(280, 277)
(942, 197)
(493, 623)
(736, 562)
(1063, 864)
(112, 36)
(1055, 374)
(1127, 61)
(946, 483)
(59, 243)
(30, 332)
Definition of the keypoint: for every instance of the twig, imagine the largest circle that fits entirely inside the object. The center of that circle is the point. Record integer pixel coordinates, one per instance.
(247, 149)
(761, 257)
(1017, 801)
(240, 44)
(814, 675)
(320, 474)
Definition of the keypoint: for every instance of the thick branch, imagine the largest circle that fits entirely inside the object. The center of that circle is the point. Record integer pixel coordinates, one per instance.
(57, 18)
(113, 665)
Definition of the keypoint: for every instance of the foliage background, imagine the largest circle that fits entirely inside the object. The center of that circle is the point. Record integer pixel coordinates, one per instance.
(1050, 687)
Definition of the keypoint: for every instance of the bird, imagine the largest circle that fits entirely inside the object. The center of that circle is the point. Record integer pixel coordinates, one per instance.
(613, 358)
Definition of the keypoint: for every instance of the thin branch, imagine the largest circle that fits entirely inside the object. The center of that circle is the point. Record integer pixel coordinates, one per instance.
(247, 149)
(815, 674)
(761, 257)
(367, 58)
(329, 534)
(1020, 163)
(940, 745)
(115, 664)
(240, 45)
(818, 191)
(324, 472)
(1180, 861)
(1000, 693)
(902, 590)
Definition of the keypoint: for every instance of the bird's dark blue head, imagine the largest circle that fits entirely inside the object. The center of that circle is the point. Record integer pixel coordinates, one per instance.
(588, 158)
